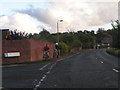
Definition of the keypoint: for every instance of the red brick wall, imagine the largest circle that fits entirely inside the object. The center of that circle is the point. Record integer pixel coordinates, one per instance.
(37, 49)
(30, 50)
(22, 46)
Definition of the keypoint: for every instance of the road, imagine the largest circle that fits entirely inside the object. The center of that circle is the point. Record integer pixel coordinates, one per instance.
(87, 69)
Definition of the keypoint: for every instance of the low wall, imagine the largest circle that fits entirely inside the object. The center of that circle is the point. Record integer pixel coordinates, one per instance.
(30, 50)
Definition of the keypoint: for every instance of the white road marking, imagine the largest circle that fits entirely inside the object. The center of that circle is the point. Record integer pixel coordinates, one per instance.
(73, 55)
(70, 56)
(13, 65)
(9, 71)
(39, 83)
(43, 78)
(101, 61)
(115, 70)
(50, 68)
(44, 66)
(48, 72)
(10, 66)
(45, 75)
(60, 59)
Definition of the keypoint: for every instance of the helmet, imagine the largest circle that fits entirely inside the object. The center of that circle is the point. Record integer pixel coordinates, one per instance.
(56, 43)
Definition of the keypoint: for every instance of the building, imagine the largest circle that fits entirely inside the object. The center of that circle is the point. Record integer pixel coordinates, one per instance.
(106, 41)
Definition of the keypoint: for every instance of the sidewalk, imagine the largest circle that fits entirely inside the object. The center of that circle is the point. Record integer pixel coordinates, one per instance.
(42, 61)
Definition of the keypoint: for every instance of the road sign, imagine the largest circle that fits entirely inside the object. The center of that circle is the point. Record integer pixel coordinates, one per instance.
(12, 54)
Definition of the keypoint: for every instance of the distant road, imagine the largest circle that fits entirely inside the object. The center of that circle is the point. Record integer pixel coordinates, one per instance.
(87, 69)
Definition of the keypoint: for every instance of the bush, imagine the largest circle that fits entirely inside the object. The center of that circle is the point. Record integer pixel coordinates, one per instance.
(64, 48)
(87, 46)
(113, 51)
(76, 44)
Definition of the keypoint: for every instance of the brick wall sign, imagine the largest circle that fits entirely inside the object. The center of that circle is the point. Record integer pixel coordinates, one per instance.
(12, 54)
(25, 50)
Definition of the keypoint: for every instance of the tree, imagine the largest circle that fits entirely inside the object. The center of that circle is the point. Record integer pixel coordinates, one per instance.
(43, 35)
(76, 44)
(67, 38)
(116, 34)
(16, 35)
(101, 33)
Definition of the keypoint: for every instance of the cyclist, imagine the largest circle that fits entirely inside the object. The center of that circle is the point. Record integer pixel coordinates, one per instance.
(57, 47)
(46, 51)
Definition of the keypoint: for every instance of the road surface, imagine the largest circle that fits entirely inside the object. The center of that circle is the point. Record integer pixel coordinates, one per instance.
(87, 69)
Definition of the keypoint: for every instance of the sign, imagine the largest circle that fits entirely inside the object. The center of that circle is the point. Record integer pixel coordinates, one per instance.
(13, 54)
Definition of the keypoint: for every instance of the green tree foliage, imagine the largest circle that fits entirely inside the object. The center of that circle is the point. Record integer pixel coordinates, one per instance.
(16, 35)
(78, 39)
(43, 35)
(67, 38)
(101, 33)
(116, 34)
(87, 38)
(64, 48)
(76, 44)
(84, 39)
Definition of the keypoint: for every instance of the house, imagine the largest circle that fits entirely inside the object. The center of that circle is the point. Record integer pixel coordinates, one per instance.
(106, 41)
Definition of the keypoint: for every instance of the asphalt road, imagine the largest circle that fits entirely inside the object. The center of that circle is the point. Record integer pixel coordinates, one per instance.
(87, 69)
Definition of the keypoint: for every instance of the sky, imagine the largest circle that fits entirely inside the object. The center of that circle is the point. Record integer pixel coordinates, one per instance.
(32, 16)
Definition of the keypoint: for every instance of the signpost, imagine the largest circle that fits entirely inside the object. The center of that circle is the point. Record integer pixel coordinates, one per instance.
(12, 54)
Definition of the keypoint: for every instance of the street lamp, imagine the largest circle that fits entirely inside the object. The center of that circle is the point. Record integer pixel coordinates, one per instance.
(58, 29)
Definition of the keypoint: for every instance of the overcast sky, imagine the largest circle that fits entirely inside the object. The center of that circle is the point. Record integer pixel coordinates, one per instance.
(77, 15)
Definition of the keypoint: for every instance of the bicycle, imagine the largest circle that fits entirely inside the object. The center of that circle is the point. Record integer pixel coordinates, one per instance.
(46, 55)
(55, 54)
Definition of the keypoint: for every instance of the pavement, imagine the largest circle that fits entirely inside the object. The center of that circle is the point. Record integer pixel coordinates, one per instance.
(86, 69)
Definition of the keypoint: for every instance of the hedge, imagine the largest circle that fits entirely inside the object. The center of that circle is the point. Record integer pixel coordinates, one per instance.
(64, 48)
(113, 51)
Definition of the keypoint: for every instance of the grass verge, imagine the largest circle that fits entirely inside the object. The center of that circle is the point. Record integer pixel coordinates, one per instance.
(113, 51)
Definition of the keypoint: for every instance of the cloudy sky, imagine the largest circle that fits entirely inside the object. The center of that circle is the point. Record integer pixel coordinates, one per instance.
(33, 15)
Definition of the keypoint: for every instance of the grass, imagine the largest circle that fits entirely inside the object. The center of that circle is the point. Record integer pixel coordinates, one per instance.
(113, 51)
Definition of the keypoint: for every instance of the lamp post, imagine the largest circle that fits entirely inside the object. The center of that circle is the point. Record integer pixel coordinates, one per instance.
(58, 29)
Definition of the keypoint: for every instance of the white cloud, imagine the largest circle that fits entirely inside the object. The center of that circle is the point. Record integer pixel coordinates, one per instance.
(22, 22)
(59, 0)
(75, 15)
